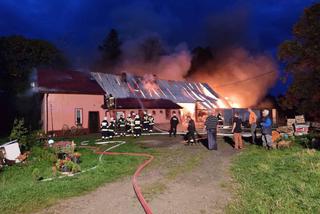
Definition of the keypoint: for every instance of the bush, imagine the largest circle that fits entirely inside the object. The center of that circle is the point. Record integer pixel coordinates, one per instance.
(43, 154)
(19, 132)
(25, 138)
(311, 141)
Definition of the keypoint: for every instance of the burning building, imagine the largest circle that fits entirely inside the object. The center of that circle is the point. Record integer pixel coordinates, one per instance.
(76, 99)
(194, 98)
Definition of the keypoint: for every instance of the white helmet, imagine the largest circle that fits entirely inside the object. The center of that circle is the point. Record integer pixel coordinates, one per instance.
(137, 116)
(149, 114)
(105, 118)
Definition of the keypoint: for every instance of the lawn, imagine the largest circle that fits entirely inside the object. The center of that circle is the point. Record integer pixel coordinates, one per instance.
(278, 181)
(20, 193)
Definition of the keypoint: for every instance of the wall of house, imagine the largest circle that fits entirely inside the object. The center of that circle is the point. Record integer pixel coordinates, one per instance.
(160, 115)
(62, 107)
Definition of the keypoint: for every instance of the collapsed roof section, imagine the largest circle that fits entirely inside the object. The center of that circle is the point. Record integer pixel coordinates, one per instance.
(131, 86)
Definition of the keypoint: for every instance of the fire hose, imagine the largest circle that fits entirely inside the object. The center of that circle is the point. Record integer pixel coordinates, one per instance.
(135, 185)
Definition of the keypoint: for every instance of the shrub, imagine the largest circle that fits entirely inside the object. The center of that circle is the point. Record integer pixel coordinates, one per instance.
(311, 141)
(43, 154)
(75, 168)
(19, 132)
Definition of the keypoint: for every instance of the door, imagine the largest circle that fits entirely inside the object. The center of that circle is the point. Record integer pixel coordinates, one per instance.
(93, 121)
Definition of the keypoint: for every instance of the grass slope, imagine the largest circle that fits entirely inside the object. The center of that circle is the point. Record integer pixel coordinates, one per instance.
(278, 181)
(19, 193)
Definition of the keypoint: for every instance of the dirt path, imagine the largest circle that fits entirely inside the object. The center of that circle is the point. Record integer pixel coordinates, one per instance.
(182, 179)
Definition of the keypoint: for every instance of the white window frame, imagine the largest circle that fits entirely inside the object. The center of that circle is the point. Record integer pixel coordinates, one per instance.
(76, 116)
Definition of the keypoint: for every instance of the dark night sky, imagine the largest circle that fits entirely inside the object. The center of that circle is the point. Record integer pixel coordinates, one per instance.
(78, 26)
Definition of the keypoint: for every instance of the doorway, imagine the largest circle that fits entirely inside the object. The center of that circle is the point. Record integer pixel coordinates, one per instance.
(93, 121)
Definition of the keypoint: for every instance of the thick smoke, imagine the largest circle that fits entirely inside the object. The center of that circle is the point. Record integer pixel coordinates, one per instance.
(243, 79)
(239, 76)
(173, 64)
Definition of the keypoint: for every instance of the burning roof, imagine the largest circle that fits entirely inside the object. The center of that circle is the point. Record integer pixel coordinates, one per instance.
(149, 87)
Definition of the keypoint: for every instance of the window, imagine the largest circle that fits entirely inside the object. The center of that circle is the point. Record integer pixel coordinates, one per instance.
(78, 116)
(168, 114)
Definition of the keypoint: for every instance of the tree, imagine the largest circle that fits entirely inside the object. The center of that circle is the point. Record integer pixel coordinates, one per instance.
(110, 50)
(18, 55)
(152, 49)
(301, 56)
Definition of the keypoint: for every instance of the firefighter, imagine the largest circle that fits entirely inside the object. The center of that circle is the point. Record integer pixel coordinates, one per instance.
(122, 126)
(133, 117)
(104, 128)
(151, 122)
(111, 128)
(137, 126)
(128, 124)
(145, 123)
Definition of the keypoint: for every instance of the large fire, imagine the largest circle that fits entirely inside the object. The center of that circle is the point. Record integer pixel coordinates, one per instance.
(242, 79)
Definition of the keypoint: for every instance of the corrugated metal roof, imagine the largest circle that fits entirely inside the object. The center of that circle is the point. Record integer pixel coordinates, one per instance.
(66, 81)
(176, 91)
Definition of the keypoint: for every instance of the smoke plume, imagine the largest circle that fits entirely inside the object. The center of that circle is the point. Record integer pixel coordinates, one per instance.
(174, 64)
(243, 79)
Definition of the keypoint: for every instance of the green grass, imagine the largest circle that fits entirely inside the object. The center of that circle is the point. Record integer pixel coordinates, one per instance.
(20, 193)
(278, 181)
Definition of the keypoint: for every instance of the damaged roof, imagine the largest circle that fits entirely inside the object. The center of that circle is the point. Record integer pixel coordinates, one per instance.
(131, 86)
(128, 86)
(66, 81)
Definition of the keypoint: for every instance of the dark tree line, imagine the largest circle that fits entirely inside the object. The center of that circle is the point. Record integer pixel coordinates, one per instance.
(301, 56)
(18, 56)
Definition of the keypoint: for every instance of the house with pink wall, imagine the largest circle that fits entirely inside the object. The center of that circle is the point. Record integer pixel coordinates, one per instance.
(74, 100)
(69, 100)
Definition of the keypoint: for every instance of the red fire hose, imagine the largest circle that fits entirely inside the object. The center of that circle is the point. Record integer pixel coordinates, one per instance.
(135, 185)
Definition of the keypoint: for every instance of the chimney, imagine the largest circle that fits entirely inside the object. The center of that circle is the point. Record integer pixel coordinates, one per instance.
(124, 77)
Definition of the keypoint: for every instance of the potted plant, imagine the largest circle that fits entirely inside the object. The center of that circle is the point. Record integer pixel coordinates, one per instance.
(69, 164)
(76, 157)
